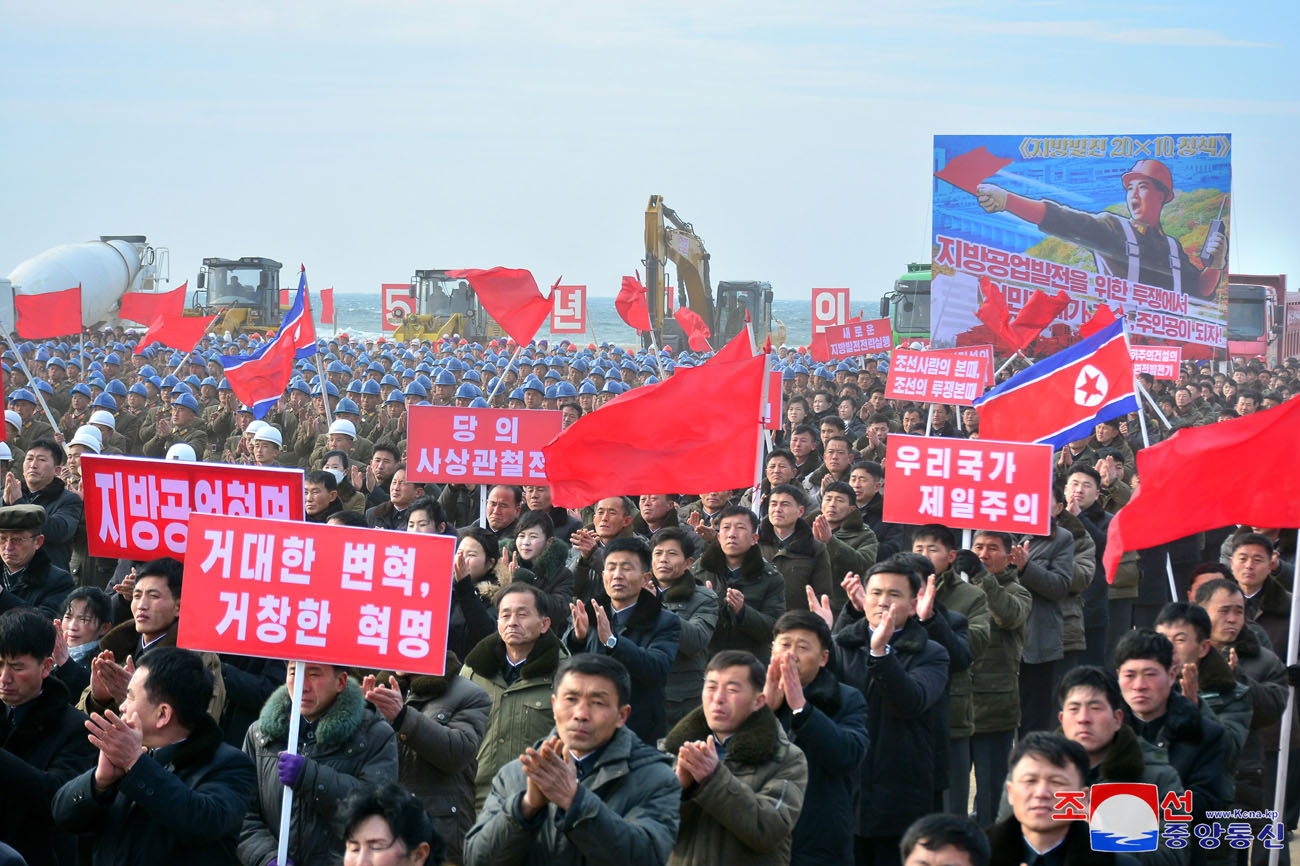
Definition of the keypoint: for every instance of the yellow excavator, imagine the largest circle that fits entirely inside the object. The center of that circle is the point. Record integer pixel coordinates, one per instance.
(445, 306)
(669, 238)
(243, 293)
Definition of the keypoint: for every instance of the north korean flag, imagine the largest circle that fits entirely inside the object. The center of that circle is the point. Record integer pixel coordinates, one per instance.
(1061, 398)
(259, 379)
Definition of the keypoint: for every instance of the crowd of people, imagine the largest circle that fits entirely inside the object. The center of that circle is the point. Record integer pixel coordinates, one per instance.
(772, 675)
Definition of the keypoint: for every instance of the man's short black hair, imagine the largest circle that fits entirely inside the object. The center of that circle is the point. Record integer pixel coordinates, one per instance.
(539, 598)
(871, 392)
(171, 569)
(516, 491)
(632, 544)
(784, 453)
(738, 511)
(1211, 568)
(841, 487)
(838, 423)
(803, 620)
(539, 519)
(1256, 539)
(486, 538)
(1206, 591)
(1005, 537)
(872, 468)
(56, 450)
(388, 447)
(792, 491)
(806, 428)
(896, 564)
(349, 518)
(937, 532)
(1249, 394)
(1091, 677)
(1055, 749)
(1115, 453)
(25, 631)
(323, 478)
(593, 665)
(940, 830)
(740, 658)
(686, 539)
(1183, 611)
(401, 810)
(1145, 644)
(178, 677)
(1085, 469)
(98, 603)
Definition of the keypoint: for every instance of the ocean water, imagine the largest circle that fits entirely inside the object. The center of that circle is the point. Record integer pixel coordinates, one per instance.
(1102, 841)
(359, 315)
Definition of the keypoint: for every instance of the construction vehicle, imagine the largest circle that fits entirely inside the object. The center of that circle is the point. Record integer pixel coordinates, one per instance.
(445, 307)
(104, 269)
(908, 306)
(1263, 319)
(669, 238)
(243, 293)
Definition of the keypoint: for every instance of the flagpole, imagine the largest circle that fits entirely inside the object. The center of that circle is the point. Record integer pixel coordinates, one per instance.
(324, 387)
(929, 420)
(286, 801)
(1152, 403)
(31, 381)
(658, 360)
(1284, 744)
(501, 377)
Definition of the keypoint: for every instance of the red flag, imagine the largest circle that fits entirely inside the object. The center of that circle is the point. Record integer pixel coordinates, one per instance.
(968, 170)
(511, 297)
(1102, 318)
(176, 332)
(993, 313)
(697, 332)
(644, 443)
(631, 304)
(1244, 470)
(1037, 314)
(738, 348)
(144, 307)
(327, 306)
(49, 314)
(284, 298)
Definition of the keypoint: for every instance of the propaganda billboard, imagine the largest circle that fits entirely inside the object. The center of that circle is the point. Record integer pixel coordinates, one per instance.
(1139, 223)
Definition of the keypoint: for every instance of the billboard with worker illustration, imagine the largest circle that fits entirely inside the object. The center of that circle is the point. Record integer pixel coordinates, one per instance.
(1138, 223)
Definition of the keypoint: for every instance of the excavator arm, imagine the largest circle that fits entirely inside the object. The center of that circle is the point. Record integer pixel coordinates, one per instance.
(669, 238)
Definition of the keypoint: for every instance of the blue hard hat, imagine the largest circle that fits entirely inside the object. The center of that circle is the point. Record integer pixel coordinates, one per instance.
(390, 380)
(549, 393)
(42, 385)
(479, 403)
(139, 389)
(113, 358)
(170, 382)
(565, 389)
(612, 387)
(187, 401)
(370, 388)
(354, 387)
(415, 389)
(588, 387)
(444, 377)
(22, 394)
(517, 394)
(104, 401)
(295, 385)
(395, 397)
(473, 376)
(468, 390)
(116, 388)
(347, 404)
(82, 389)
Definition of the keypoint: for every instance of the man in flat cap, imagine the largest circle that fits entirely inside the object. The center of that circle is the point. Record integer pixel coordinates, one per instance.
(30, 579)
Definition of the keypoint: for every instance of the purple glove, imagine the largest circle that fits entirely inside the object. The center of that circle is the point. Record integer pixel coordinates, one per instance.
(288, 861)
(290, 767)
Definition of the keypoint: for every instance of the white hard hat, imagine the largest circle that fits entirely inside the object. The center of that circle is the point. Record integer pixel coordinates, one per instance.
(89, 437)
(254, 427)
(344, 426)
(101, 416)
(14, 418)
(269, 434)
(182, 451)
(5, 453)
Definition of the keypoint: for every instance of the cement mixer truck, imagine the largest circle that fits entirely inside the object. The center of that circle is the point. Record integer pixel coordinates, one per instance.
(105, 269)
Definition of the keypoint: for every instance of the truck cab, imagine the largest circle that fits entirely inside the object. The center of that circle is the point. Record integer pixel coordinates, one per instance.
(734, 300)
(245, 291)
(908, 306)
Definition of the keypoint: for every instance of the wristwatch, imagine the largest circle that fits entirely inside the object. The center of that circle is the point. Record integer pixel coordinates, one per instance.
(613, 639)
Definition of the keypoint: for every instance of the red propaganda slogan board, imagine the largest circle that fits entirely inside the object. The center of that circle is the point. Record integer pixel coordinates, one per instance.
(137, 508)
(969, 483)
(312, 592)
(1162, 362)
(935, 377)
(398, 304)
(774, 411)
(829, 307)
(569, 315)
(478, 446)
(859, 338)
(973, 352)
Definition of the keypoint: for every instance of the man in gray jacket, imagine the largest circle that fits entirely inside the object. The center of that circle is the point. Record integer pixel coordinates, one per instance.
(673, 552)
(1046, 564)
(591, 792)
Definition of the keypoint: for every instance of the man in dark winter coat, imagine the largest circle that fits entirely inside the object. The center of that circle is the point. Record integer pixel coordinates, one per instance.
(41, 485)
(786, 540)
(249, 682)
(166, 791)
(696, 605)
(611, 519)
(1042, 765)
(867, 479)
(1268, 602)
(828, 721)
(751, 592)
(31, 578)
(1105, 620)
(343, 746)
(539, 499)
(882, 650)
(628, 622)
(850, 544)
(42, 739)
(591, 792)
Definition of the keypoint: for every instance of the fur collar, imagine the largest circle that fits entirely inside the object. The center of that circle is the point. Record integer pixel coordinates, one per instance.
(823, 693)
(198, 748)
(123, 640)
(640, 527)
(755, 743)
(801, 542)
(1124, 762)
(853, 523)
(1182, 721)
(488, 658)
(41, 719)
(1073, 524)
(1213, 673)
(1007, 845)
(1247, 643)
(541, 569)
(424, 687)
(683, 590)
(911, 639)
(336, 727)
(715, 561)
(1274, 598)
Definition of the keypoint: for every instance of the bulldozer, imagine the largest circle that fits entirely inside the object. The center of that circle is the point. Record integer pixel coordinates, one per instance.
(669, 238)
(244, 293)
(445, 306)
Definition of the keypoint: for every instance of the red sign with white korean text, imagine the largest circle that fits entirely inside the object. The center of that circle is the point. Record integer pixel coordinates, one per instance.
(935, 377)
(137, 508)
(1162, 362)
(973, 352)
(969, 483)
(478, 446)
(859, 338)
(367, 598)
(569, 315)
(775, 408)
(398, 304)
(829, 307)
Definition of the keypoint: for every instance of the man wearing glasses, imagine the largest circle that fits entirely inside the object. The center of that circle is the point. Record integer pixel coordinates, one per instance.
(30, 578)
